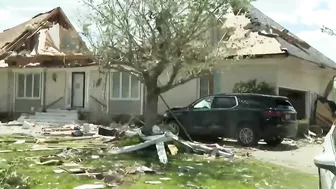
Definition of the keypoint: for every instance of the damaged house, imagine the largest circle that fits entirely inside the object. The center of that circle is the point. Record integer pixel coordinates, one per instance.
(45, 66)
(292, 66)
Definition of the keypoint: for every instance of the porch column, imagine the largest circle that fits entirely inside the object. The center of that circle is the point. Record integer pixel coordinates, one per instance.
(43, 92)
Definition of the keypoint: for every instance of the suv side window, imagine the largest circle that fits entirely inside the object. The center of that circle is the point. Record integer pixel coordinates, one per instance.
(224, 102)
(204, 103)
(251, 102)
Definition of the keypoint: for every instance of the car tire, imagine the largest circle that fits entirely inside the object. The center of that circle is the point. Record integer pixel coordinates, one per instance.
(247, 135)
(274, 142)
(174, 127)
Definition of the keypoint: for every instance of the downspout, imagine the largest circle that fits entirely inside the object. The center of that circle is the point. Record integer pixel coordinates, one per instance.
(108, 88)
(10, 92)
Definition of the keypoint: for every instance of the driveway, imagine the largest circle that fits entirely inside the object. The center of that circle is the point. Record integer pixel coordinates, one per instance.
(298, 155)
(299, 159)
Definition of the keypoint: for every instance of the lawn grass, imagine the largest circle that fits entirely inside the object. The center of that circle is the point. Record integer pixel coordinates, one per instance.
(218, 173)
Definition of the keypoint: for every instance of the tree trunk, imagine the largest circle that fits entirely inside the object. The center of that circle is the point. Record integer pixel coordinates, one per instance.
(151, 112)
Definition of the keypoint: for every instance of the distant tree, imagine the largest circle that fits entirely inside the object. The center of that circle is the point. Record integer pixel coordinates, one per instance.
(252, 86)
(328, 31)
(153, 38)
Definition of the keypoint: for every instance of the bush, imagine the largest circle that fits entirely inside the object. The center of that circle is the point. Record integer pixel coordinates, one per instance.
(252, 86)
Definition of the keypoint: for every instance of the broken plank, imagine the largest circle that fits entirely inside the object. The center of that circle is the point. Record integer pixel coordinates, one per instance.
(151, 141)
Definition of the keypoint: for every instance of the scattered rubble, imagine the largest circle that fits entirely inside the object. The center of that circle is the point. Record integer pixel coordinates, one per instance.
(99, 141)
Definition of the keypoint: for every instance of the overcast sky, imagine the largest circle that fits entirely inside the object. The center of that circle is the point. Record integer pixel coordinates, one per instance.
(302, 17)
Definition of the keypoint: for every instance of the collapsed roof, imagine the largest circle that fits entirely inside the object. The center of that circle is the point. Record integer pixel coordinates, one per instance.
(48, 34)
(309, 54)
(258, 34)
(51, 34)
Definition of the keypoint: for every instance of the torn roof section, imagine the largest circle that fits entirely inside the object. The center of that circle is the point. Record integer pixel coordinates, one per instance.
(244, 41)
(47, 37)
(257, 34)
(287, 40)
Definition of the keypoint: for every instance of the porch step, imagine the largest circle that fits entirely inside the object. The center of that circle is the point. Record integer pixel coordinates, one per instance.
(61, 111)
(51, 122)
(52, 117)
(46, 118)
(51, 114)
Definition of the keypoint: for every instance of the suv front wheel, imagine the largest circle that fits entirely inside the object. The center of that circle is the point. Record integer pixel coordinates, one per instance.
(247, 136)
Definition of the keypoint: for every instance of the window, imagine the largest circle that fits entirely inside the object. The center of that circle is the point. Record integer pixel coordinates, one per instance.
(206, 86)
(29, 85)
(125, 86)
(224, 102)
(205, 103)
(251, 102)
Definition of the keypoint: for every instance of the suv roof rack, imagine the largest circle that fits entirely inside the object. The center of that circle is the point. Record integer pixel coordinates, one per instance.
(249, 94)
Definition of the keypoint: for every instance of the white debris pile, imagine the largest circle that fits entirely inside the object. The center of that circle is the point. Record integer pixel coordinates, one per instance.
(160, 140)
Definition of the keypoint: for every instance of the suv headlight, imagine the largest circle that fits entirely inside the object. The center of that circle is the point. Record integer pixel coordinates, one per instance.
(165, 114)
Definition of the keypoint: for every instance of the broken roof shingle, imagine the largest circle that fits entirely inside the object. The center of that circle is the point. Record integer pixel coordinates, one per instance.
(245, 41)
(10, 34)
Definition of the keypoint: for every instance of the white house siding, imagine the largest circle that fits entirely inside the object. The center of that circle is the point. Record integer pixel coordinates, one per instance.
(293, 73)
(182, 95)
(55, 88)
(244, 70)
(5, 91)
(98, 95)
(302, 75)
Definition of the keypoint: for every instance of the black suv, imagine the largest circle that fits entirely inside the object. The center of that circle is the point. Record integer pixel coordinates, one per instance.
(246, 117)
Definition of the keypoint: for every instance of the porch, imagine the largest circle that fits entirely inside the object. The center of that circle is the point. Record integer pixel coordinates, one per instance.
(38, 89)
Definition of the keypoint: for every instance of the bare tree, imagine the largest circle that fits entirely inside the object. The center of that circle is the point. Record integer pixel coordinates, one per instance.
(151, 39)
(328, 31)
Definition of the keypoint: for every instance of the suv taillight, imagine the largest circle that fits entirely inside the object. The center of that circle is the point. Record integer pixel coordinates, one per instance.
(272, 113)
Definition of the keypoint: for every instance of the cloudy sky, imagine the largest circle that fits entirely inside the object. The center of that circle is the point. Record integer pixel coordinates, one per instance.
(302, 17)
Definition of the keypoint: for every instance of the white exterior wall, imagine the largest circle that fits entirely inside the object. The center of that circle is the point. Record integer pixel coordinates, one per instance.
(244, 70)
(99, 92)
(55, 90)
(287, 72)
(5, 92)
(300, 75)
(305, 76)
(181, 95)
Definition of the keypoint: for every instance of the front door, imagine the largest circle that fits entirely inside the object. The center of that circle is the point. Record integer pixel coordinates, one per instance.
(78, 89)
